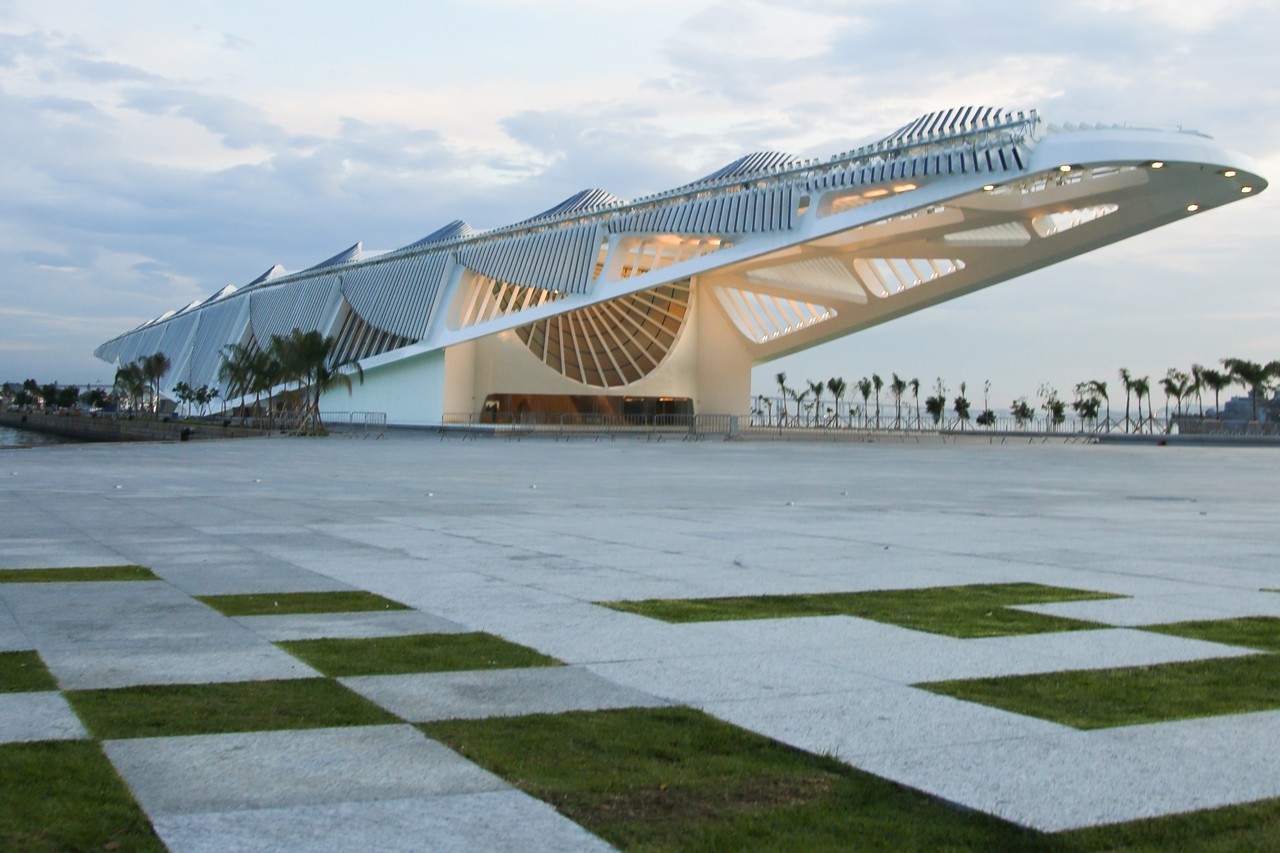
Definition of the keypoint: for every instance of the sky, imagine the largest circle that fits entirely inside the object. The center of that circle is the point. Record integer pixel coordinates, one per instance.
(153, 152)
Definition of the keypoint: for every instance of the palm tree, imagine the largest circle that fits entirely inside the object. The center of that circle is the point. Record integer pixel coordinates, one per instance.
(915, 393)
(277, 365)
(817, 388)
(154, 367)
(236, 372)
(314, 357)
(877, 383)
(781, 379)
(1175, 384)
(864, 388)
(1127, 379)
(1098, 387)
(837, 386)
(130, 383)
(1142, 388)
(962, 407)
(1215, 381)
(1197, 385)
(1251, 376)
(897, 387)
(799, 398)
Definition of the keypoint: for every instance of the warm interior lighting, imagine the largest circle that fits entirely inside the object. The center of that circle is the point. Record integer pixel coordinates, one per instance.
(1065, 167)
(1246, 189)
(1157, 164)
(986, 188)
(903, 188)
(875, 193)
(1230, 173)
(1193, 207)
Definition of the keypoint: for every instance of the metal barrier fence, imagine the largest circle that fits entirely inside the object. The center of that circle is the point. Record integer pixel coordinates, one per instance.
(587, 425)
(356, 424)
(725, 426)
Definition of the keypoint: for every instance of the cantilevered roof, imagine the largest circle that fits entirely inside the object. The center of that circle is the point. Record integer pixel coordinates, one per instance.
(346, 256)
(952, 121)
(275, 272)
(580, 202)
(456, 228)
(751, 164)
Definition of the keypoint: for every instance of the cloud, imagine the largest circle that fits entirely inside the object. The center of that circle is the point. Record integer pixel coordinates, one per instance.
(106, 71)
(237, 123)
(234, 42)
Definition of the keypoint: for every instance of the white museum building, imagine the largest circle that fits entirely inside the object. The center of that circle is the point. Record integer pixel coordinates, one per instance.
(663, 304)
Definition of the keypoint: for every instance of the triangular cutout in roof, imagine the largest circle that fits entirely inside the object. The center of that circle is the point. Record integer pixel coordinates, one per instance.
(580, 202)
(456, 228)
(952, 121)
(346, 256)
(276, 270)
(751, 164)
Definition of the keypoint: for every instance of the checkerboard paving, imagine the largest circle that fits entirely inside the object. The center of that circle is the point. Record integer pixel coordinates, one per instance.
(384, 786)
(485, 552)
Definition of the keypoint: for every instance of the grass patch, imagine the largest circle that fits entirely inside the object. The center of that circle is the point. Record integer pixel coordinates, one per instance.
(79, 574)
(24, 672)
(1097, 699)
(1252, 632)
(414, 653)
(980, 610)
(196, 709)
(281, 603)
(678, 779)
(65, 795)
(1230, 829)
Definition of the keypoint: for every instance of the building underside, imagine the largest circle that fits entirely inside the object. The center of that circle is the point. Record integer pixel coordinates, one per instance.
(665, 303)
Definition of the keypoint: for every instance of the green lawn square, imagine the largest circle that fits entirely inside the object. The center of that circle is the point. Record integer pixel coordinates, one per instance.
(24, 672)
(414, 653)
(81, 574)
(1103, 698)
(679, 779)
(65, 795)
(659, 779)
(283, 603)
(979, 610)
(1252, 632)
(163, 710)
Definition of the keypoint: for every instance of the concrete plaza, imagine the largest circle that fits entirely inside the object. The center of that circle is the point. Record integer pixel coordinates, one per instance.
(520, 538)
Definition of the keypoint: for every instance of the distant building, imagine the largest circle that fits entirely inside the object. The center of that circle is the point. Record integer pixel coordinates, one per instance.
(1241, 409)
(664, 303)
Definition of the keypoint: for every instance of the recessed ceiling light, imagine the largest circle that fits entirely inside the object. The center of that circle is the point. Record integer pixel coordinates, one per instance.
(1230, 173)
(1065, 167)
(1193, 207)
(986, 188)
(1157, 164)
(1246, 189)
(902, 188)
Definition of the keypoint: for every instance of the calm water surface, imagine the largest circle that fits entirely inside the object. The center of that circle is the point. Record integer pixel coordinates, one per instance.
(10, 437)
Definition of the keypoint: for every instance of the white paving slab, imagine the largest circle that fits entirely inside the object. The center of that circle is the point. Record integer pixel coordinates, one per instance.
(218, 773)
(377, 623)
(422, 697)
(492, 820)
(855, 724)
(40, 715)
(189, 662)
(1081, 779)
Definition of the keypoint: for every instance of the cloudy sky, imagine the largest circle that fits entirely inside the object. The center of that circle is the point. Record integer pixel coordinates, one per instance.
(153, 152)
